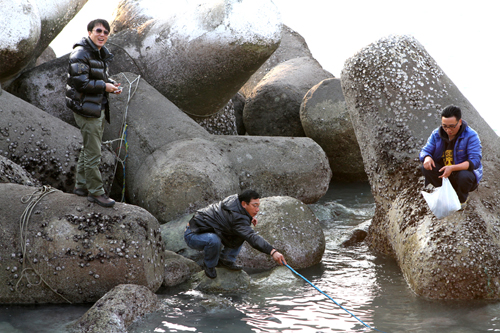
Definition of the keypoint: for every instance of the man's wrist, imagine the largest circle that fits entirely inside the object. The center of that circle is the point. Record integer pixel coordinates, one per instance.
(273, 251)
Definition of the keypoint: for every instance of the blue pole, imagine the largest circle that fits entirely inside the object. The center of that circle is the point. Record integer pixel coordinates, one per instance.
(332, 299)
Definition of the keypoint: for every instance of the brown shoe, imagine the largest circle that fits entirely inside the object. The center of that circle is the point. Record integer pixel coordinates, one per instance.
(101, 200)
(82, 192)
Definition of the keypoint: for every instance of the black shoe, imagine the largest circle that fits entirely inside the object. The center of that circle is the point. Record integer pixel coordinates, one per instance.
(82, 192)
(101, 200)
(210, 272)
(229, 265)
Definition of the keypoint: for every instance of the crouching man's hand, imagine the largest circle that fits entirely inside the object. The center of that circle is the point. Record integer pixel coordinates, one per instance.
(278, 257)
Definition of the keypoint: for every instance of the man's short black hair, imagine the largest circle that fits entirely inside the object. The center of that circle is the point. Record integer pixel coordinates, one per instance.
(452, 111)
(102, 22)
(248, 195)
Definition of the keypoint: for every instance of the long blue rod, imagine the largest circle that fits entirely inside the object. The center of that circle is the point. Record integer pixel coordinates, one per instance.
(332, 299)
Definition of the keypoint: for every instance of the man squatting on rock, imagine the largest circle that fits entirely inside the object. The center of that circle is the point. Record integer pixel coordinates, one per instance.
(227, 222)
(453, 151)
(87, 93)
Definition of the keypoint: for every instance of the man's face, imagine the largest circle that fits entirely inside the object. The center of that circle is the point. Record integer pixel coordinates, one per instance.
(99, 35)
(451, 125)
(252, 207)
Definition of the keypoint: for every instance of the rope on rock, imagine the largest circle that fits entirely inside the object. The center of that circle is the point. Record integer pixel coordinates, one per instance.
(332, 300)
(123, 134)
(32, 200)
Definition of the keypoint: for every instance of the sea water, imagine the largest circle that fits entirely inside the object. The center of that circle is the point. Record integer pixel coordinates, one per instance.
(368, 285)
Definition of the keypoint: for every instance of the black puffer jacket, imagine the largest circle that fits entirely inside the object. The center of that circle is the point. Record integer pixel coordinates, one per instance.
(87, 77)
(231, 222)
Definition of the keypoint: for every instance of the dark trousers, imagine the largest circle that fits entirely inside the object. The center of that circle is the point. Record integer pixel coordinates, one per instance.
(463, 181)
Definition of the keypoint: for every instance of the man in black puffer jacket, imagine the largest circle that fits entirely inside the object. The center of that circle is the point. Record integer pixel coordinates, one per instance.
(87, 96)
(227, 222)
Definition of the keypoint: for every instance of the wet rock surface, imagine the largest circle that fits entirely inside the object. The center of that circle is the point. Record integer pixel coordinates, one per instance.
(226, 282)
(292, 228)
(356, 234)
(325, 119)
(394, 92)
(207, 50)
(117, 310)
(46, 147)
(273, 107)
(64, 249)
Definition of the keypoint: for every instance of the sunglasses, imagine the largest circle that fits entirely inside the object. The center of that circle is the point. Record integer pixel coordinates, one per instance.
(101, 31)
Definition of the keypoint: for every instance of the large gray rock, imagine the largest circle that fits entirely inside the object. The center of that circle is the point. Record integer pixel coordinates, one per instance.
(200, 53)
(291, 227)
(325, 119)
(172, 234)
(43, 145)
(117, 310)
(28, 29)
(64, 249)
(292, 46)
(44, 86)
(175, 167)
(273, 107)
(278, 166)
(178, 269)
(394, 91)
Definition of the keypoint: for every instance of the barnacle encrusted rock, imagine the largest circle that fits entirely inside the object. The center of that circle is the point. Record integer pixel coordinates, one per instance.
(10, 172)
(394, 91)
(59, 248)
(43, 145)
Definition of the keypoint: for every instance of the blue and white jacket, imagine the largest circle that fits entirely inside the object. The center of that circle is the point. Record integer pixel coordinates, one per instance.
(467, 148)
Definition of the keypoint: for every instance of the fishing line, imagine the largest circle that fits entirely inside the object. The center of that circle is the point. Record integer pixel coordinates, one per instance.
(333, 300)
(123, 133)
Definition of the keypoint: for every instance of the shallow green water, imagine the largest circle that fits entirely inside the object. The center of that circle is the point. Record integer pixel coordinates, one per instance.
(369, 285)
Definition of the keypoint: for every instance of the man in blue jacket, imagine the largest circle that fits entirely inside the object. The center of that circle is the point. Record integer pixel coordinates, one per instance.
(453, 151)
(228, 223)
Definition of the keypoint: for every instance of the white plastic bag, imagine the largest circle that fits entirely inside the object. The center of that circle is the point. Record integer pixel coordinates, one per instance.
(443, 201)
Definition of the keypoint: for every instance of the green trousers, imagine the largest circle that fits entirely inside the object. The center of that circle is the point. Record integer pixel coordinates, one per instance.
(88, 174)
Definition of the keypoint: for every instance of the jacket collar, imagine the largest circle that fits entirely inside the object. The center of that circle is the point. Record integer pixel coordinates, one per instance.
(103, 53)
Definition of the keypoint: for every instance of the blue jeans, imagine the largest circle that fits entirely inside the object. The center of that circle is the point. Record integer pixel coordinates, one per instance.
(211, 244)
